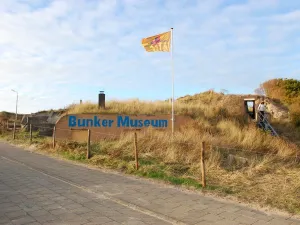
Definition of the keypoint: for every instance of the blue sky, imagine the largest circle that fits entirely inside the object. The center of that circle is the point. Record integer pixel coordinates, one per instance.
(56, 52)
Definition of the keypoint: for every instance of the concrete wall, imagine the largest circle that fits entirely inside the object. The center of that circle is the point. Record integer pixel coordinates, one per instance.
(79, 133)
(44, 122)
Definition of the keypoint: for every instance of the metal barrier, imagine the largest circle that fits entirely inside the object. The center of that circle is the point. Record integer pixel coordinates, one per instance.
(265, 125)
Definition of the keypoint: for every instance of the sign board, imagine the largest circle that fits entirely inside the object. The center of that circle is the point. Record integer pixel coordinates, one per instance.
(112, 125)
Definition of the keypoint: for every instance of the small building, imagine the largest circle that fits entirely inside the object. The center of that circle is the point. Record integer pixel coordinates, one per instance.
(41, 121)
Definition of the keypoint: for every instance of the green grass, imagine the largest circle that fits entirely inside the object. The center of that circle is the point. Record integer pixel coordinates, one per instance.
(146, 162)
(219, 120)
(157, 170)
(161, 175)
(159, 160)
(77, 157)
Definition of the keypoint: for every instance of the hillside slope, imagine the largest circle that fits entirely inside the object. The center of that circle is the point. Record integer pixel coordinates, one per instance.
(241, 160)
(218, 118)
(4, 116)
(286, 93)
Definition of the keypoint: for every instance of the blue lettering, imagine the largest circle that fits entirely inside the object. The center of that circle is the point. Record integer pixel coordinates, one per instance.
(72, 121)
(154, 124)
(82, 124)
(133, 123)
(104, 123)
(89, 123)
(146, 123)
(140, 123)
(96, 121)
(123, 123)
(163, 123)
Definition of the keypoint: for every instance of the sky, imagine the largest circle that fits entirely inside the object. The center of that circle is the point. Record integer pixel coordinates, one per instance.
(56, 52)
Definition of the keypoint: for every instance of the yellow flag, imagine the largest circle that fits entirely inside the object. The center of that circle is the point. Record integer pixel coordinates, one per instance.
(158, 43)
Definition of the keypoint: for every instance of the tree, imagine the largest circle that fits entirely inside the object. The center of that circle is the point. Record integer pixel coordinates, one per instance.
(285, 91)
(261, 90)
(292, 88)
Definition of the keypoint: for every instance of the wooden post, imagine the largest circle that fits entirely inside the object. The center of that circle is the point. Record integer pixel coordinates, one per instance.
(14, 131)
(30, 133)
(203, 165)
(136, 152)
(88, 144)
(53, 137)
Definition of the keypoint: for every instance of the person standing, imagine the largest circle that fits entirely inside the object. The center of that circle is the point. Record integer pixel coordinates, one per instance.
(261, 111)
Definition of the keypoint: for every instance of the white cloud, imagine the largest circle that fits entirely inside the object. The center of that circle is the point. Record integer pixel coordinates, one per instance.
(290, 17)
(56, 52)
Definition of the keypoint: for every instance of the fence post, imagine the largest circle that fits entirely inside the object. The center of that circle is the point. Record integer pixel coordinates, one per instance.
(203, 165)
(136, 152)
(30, 132)
(88, 144)
(53, 137)
(14, 131)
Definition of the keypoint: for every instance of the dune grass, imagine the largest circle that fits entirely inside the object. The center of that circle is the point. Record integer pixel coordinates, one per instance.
(267, 179)
(268, 173)
(218, 119)
(208, 105)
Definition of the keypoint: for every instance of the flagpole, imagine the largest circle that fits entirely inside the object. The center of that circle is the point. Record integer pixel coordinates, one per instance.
(172, 71)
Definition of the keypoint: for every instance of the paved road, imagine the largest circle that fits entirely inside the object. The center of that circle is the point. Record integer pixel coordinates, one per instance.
(35, 189)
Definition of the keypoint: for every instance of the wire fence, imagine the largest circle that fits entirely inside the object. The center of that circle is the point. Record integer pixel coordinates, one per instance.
(34, 131)
(233, 154)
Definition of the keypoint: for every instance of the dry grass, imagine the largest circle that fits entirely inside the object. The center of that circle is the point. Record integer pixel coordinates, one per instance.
(207, 105)
(250, 138)
(268, 178)
(218, 119)
(288, 131)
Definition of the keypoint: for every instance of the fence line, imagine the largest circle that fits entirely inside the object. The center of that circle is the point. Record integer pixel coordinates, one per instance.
(203, 149)
(133, 130)
(42, 127)
(97, 134)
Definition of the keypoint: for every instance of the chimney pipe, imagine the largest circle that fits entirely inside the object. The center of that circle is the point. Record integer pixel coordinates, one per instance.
(101, 100)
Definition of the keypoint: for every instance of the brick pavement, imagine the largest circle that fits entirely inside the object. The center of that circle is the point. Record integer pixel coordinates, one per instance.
(36, 189)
